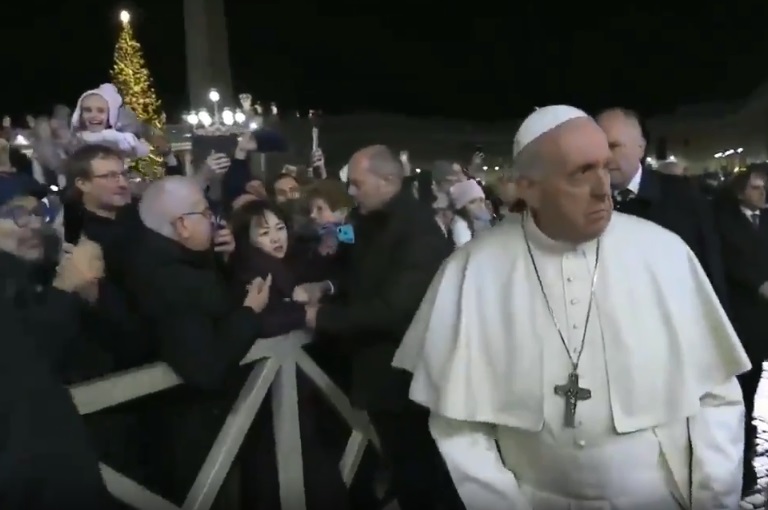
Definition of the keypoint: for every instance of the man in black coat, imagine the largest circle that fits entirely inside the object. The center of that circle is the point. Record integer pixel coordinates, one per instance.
(46, 459)
(670, 201)
(744, 234)
(196, 325)
(398, 247)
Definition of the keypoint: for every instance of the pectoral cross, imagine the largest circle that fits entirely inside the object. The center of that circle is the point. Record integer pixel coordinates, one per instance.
(572, 393)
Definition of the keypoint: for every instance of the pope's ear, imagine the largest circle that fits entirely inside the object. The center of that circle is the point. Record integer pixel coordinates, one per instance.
(528, 190)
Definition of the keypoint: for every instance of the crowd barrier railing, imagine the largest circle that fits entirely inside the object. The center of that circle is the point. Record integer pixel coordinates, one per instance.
(276, 363)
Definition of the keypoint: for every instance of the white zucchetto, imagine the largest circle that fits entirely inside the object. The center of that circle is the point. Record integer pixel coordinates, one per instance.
(541, 121)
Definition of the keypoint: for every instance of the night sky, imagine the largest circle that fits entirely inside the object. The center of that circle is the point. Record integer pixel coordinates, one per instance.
(475, 60)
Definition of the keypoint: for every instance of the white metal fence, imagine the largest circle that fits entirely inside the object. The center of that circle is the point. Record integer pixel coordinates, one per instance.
(276, 362)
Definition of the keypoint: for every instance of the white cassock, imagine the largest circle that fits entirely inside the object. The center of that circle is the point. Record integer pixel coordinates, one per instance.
(664, 426)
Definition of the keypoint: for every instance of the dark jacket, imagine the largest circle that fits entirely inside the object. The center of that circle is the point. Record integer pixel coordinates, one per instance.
(281, 315)
(46, 458)
(199, 330)
(396, 253)
(745, 258)
(203, 334)
(672, 202)
(50, 317)
(113, 321)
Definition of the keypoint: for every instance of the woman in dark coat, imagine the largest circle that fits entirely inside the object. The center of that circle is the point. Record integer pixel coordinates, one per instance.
(264, 248)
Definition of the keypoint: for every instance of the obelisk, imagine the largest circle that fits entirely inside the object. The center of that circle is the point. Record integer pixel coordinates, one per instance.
(205, 29)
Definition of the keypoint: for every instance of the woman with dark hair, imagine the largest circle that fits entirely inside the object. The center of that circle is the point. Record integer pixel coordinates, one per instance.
(264, 248)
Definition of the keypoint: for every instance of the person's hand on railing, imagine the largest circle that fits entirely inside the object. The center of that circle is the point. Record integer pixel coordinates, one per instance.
(80, 270)
(258, 294)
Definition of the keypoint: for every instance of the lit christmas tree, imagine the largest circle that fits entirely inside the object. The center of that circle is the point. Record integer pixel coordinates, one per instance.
(131, 77)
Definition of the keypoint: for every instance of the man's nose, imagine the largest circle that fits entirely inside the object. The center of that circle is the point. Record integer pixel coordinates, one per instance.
(602, 183)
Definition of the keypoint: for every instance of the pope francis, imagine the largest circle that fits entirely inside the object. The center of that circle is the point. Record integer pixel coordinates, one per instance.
(574, 357)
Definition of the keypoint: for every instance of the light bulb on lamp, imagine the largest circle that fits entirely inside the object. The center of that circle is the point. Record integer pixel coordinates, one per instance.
(239, 117)
(205, 117)
(214, 95)
(192, 118)
(227, 117)
(125, 16)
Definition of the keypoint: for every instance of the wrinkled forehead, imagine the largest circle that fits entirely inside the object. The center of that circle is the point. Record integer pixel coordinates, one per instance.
(94, 101)
(581, 143)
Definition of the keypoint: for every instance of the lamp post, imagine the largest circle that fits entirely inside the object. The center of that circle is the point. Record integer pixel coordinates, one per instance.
(224, 121)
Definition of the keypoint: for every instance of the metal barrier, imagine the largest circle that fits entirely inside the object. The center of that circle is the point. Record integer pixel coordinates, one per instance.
(277, 360)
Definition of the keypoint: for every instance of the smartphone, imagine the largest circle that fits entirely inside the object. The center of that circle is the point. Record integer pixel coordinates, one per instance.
(345, 234)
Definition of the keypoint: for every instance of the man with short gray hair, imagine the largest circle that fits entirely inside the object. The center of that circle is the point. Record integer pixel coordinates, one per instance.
(202, 333)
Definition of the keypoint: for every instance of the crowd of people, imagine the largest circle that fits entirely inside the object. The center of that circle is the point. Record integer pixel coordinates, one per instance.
(454, 313)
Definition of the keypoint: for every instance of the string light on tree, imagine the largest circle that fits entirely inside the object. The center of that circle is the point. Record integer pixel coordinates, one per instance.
(131, 77)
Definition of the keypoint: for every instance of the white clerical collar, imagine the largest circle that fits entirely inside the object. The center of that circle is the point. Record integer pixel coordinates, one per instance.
(749, 212)
(634, 184)
(542, 241)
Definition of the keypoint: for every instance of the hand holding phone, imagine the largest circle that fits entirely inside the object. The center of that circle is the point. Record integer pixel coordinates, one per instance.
(217, 162)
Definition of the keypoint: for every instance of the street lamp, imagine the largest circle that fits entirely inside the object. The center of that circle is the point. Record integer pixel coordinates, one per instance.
(224, 120)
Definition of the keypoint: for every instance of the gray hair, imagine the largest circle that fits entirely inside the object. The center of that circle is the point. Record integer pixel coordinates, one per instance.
(383, 162)
(167, 199)
(530, 162)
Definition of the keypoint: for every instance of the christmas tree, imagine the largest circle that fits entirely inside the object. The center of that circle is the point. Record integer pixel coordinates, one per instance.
(131, 77)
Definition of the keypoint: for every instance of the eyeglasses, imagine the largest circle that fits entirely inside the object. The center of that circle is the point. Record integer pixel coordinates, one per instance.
(23, 217)
(113, 176)
(206, 213)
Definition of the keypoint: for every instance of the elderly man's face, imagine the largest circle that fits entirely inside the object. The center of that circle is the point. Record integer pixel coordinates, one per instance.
(370, 191)
(21, 229)
(572, 198)
(194, 228)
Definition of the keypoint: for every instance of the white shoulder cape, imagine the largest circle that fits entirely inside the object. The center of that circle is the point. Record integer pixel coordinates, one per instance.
(473, 350)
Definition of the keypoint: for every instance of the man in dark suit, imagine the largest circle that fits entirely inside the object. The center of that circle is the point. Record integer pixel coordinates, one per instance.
(744, 234)
(398, 247)
(670, 201)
